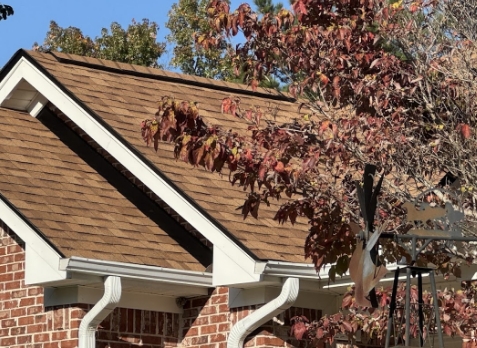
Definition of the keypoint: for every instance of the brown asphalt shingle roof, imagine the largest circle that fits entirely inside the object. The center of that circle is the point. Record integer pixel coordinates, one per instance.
(74, 206)
(123, 99)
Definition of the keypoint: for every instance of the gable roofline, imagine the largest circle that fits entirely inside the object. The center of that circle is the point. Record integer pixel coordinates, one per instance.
(24, 54)
(234, 263)
(167, 76)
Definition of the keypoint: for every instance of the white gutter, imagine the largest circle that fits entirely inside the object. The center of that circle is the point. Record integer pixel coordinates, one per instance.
(291, 269)
(134, 271)
(247, 325)
(90, 322)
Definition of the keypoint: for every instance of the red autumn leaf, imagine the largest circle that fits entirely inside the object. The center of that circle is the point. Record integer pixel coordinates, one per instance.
(465, 131)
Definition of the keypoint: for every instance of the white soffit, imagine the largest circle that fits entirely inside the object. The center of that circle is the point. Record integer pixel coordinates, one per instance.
(229, 258)
(91, 295)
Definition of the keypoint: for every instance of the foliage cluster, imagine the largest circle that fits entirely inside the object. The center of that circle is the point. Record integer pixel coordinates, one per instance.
(135, 45)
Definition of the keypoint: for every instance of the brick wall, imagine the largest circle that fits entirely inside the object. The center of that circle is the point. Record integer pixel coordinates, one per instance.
(207, 320)
(205, 323)
(23, 323)
(130, 327)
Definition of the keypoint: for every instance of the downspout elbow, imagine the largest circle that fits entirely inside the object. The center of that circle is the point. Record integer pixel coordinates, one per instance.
(109, 301)
(246, 326)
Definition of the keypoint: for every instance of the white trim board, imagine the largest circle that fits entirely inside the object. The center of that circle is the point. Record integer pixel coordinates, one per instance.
(41, 260)
(229, 258)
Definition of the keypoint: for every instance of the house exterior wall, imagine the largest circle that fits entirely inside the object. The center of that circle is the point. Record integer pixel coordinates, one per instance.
(205, 322)
(23, 320)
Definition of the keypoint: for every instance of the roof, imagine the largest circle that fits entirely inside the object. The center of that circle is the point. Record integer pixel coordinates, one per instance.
(73, 206)
(122, 95)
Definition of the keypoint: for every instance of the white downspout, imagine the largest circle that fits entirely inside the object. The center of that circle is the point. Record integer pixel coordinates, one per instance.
(90, 322)
(248, 324)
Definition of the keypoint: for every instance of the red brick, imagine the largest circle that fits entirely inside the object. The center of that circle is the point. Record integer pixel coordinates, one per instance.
(7, 341)
(19, 275)
(198, 340)
(223, 290)
(13, 249)
(19, 293)
(224, 308)
(208, 329)
(18, 312)
(10, 304)
(26, 320)
(69, 344)
(269, 341)
(59, 335)
(42, 337)
(217, 338)
(40, 319)
(28, 301)
(19, 257)
(201, 321)
(74, 324)
(13, 267)
(4, 314)
(16, 284)
(224, 327)
(35, 291)
(34, 309)
(4, 332)
(34, 328)
(8, 323)
(24, 339)
(77, 313)
(6, 259)
(58, 320)
(15, 331)
(219, 299)
(208, 310)
(221, 318)
(6, 277)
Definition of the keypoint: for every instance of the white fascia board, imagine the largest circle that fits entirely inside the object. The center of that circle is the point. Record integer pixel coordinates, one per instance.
(134, 271)
(239, 262)
(8, 84)
(41, 260)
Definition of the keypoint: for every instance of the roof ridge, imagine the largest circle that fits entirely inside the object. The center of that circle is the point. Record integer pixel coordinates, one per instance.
(169, 76)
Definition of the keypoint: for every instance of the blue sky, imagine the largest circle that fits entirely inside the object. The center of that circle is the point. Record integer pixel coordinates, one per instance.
(32, 17)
